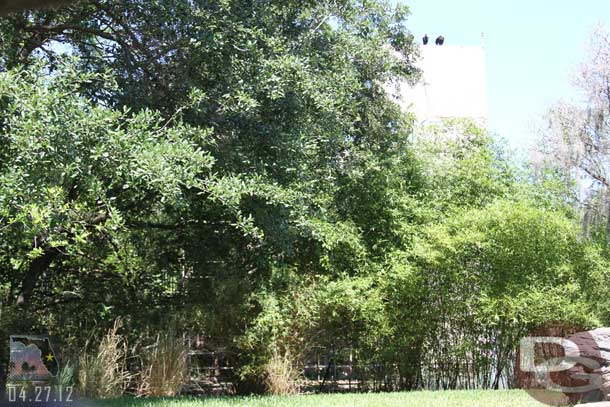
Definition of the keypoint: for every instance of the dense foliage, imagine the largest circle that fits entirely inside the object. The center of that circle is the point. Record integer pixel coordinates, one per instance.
(235, 169)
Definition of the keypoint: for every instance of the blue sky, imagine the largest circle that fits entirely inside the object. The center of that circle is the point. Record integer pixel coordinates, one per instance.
(531, 47)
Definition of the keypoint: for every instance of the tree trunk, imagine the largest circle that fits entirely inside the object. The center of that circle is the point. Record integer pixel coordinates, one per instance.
(585, 223)
(608, 223)
(37, 267)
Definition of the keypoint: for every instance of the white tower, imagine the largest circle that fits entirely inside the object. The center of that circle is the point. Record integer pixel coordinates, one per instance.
(453, 85)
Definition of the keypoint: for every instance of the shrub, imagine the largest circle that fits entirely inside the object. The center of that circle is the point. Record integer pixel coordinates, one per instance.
(281, 375)
(165, 368)
(102, 372)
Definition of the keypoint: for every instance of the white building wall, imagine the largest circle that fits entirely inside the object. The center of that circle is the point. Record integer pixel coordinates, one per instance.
(453, 84)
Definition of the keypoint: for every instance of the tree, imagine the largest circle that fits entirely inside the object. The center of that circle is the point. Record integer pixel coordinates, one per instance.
(232, 145)
(12, 6)
(76, 177)
(578, 136)
(491, 255)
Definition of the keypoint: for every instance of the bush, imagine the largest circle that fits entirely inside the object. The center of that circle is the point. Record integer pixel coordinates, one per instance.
(165, 368)
(102, 372)
(281, 375)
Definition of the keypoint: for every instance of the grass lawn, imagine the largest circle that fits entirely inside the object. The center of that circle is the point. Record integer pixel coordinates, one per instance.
(501, 398)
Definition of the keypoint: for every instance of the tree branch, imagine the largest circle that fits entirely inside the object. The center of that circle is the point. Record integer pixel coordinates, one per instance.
(13, 6)
(40, 264)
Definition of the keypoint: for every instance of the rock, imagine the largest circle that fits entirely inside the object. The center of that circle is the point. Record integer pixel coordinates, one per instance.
(594, 344)
(589, 355)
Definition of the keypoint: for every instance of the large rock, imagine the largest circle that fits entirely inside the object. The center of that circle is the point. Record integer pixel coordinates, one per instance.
(566, 371)
(594, 345)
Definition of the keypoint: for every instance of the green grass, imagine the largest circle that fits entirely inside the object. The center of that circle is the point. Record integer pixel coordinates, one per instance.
(501, 398)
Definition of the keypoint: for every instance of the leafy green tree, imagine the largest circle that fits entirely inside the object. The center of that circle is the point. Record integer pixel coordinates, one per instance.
(194, 152)
(495, 254)
(77, 179)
